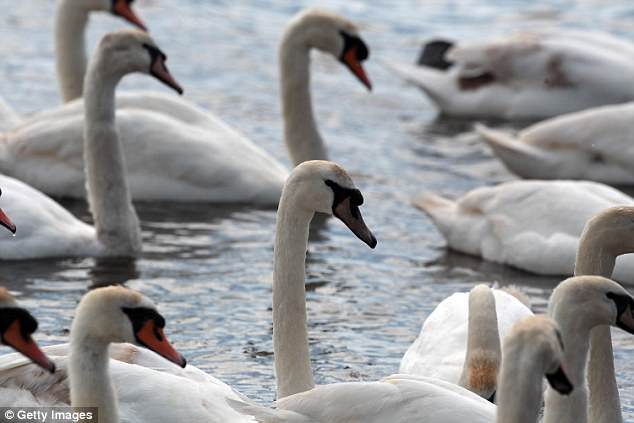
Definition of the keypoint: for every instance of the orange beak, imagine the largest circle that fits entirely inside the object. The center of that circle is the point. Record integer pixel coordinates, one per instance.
(159, 70)
(350, 60)
(6, 222)
(152, 337)
(14, 338)
(123, 9)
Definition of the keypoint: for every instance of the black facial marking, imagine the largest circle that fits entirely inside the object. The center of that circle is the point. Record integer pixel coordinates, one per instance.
(155, 53)
(341, 193)
(114, 3)
(351, 41)
(433, 54)
(559, 381)
(622, 303)
(28, 324)
(139, 316)
(491, 399)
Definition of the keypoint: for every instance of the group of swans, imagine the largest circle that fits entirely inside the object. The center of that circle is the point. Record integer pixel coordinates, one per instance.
(203, 159)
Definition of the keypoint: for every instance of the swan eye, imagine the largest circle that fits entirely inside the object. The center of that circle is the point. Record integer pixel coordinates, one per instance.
(140, 315)
(341, 193)
(354, 41)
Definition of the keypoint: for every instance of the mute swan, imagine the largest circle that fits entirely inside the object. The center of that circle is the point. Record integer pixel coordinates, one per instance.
(314, 186)
(16, 327)
(531, 351)
(460, 340)
(202, 158)
(531, 225)
(526, 76)
(104, 315)
(594, 144)
(579, 305)
(48, 230)
(606, 236)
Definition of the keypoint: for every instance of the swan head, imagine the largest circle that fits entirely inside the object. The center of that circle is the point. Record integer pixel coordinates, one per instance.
(16, 327)
(613, 229)
(130, 51)
(331, 34)
(118, 314)
(120, 8)
(541, 336)
(591, 301)
(5, 221)
(325, 187)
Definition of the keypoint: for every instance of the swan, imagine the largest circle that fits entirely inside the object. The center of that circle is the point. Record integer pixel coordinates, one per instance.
(313, 186)
(530, 75)
(598, 303)
(459, 341)
(593, 144)
(47, 229)
(203, 159)
(103, 316)
(16, 327)
(531, 225)
(531, 351)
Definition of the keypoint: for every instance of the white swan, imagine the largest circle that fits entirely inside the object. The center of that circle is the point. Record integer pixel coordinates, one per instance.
(202, 158)
(606, 236)
(531, 351)
(580, 305)
(46, 228)
(104, 316)
(460, 340)
(531, 225)
(594, 144)
(528, 75)
(16, 327)
(312, 186)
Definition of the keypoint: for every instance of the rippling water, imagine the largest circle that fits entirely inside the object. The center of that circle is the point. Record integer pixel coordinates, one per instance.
(209, 268)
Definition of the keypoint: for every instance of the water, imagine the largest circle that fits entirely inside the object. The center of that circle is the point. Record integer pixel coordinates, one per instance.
(209, 268)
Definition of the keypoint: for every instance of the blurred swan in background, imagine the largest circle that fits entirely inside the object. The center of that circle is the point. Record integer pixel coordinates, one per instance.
(531, 75)
(531, 225)
(49, 230)
(202, 158)
(595, 144)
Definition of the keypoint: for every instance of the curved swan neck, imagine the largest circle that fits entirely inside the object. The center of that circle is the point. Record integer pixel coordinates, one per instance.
(90, 384)
(290, 335)
(116, 222)
(575, 334)
(300, 130)
(605, 403)
(479, 373)
(70, 48)
(519, 392)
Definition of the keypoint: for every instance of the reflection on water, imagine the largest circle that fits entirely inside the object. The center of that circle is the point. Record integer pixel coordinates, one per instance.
(209, 268)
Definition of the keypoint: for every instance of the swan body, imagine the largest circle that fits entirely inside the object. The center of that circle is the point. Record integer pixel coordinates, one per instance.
(451, 343)
(202, 158)
(531, 225)
(594, 144)
(408, 398)
(526, 76)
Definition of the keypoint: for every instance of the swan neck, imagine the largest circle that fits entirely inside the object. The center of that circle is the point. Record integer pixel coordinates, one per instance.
(575, 333)
(90, 383)
(482, 359)
(70, 48)
(519, 392)
(116, 222)
(301, 135)
(290, 334)
(604, 402)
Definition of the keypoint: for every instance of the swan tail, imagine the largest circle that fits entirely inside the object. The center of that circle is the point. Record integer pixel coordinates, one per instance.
(266, 415)
(431, 80)
(520, 158)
